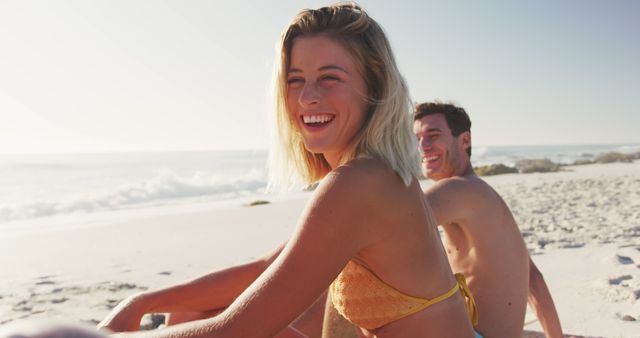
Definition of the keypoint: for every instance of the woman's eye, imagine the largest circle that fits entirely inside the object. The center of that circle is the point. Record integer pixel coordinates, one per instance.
(294, 81)
(330, 78)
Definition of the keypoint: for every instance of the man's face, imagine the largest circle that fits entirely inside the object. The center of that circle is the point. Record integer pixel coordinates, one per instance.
(441, 157)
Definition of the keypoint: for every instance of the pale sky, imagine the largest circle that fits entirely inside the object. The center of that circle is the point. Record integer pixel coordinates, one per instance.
(195, 75)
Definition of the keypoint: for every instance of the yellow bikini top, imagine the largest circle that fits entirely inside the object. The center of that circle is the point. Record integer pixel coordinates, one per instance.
(368, 302)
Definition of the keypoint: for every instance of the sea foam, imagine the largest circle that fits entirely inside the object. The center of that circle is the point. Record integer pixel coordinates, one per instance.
(166, 187)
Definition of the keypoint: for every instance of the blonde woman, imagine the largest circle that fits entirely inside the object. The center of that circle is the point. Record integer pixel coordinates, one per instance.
(343, 119)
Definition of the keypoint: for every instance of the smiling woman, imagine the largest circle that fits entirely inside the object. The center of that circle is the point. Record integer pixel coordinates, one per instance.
(344, 120)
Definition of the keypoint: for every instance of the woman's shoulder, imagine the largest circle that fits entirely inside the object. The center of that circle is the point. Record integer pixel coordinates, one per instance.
(363, 193)
(365, 181)
(370, 171)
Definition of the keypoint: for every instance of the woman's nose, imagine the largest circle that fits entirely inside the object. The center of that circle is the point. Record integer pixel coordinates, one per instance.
(309, 95)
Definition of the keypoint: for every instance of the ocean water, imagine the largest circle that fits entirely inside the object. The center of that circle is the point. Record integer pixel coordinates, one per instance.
(66, 189)
(47, 190)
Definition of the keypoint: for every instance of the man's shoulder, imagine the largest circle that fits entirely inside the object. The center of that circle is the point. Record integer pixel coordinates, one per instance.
(469, 202)
(468, 184)
(475, 194)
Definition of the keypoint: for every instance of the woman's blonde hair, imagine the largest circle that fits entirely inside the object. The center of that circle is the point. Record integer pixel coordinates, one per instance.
(387, 132)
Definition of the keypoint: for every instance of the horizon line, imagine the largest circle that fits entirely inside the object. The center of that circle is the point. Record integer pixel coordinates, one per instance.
(134, 151)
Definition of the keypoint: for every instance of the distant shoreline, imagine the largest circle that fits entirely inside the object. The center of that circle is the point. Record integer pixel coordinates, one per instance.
(543, 165)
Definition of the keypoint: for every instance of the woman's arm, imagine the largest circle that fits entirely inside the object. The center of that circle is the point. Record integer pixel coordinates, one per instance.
(341, 219)
(213, 291)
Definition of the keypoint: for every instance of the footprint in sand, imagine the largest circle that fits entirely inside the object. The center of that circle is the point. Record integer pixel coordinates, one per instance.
(91, 321)
(105, 306)
(76, 290)
(102, 307)
(45, 276)
(112, 302)
(46, 282)
(59, 300)
(116, 286)
(624, 260)
(572, 245)
(618, 280)
(22, 306)
(621, 288)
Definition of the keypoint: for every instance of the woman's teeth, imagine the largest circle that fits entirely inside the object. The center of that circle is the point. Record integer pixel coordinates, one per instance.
(309, 119)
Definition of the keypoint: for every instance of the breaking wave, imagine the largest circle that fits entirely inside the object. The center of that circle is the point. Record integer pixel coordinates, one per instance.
(165, 188)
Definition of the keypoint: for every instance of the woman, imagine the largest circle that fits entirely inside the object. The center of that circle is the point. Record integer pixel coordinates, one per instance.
(343, 119)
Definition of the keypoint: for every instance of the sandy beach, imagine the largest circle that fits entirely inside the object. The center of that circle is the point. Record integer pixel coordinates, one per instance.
(582, 227)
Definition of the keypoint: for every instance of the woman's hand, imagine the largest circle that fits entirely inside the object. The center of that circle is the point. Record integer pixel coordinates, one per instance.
(126, 316)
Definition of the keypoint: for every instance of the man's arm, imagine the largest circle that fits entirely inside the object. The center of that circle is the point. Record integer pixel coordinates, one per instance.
(542, 304)
(213, 291)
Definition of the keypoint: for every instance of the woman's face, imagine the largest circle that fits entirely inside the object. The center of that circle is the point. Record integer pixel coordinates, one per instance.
(325, 96)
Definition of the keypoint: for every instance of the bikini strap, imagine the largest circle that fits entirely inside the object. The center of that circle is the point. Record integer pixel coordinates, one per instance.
(468, 298)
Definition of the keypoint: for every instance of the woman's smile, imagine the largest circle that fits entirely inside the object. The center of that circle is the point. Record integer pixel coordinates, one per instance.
(317, 121)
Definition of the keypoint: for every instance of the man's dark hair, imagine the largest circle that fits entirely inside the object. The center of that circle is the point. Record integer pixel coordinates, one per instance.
(457, 119)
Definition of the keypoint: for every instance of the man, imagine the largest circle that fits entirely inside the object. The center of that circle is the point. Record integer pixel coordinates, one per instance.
(481, 237)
